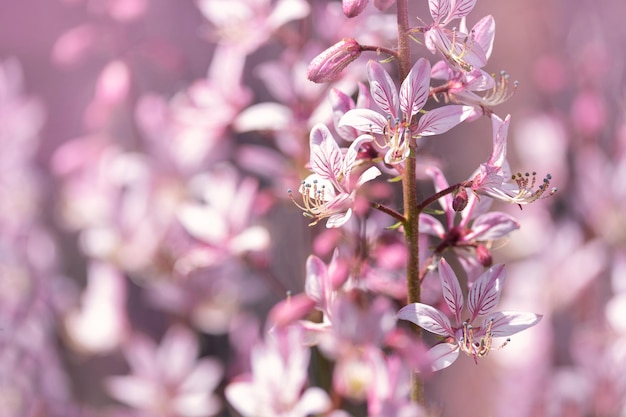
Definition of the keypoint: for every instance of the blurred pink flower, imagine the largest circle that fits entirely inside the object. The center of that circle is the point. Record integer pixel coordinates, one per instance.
(276, 387)
(168, 380)
(100, 325)
(389, 393)
(247, 24)
(465, 336)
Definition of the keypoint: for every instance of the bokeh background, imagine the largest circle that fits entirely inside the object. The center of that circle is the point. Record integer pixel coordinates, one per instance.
(116, 114)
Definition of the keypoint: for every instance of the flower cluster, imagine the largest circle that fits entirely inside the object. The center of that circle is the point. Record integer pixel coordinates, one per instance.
(291, 208)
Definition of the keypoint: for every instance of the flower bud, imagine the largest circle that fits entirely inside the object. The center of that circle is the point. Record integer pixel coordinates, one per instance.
(460, 199)
(326, 66)
(353, 8)
(484, 256)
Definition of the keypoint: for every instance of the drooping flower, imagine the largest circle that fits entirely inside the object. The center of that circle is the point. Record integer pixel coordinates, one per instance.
(468, 336)
(330, 191)
(493, 178)
(397, 126)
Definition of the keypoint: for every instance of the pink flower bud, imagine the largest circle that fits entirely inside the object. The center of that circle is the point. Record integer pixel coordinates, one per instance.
(326, 66)
(353, 8)
(460, 199)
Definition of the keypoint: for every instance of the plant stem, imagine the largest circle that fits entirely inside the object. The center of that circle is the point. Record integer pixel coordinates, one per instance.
(427, 202)
(387, 210)
(409, 193)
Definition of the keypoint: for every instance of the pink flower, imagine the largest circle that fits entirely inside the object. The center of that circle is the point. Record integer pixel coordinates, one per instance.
(397, 127)
(248, 24)
(475, 87)
(466, 336)
(330, 191)
(494, 179)
(474, 232)
(168, 380)
(460, 49)
(276, 386)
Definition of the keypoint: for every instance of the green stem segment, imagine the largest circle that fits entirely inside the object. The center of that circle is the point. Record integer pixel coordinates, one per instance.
(409, 192)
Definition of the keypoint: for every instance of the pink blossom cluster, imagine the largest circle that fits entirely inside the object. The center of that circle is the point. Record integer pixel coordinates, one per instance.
(291, 208)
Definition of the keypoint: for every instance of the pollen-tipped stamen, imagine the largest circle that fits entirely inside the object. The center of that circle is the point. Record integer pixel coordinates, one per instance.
(526, 184)
(313, 201)
(502, 91)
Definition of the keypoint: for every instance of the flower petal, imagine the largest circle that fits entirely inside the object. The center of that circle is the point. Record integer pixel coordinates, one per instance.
(351, 155)
(443, 355)
(507, 323)
(427, 317)
(313, 401)
(383, 89)
(460, 8)
(485, 293)
(452, 293)
(439, 9)
(484, 34)
(316, 285)
(368, 175)
(500, 132)
(365, 120)
(493, 225)
(430, 225)
(442, 119)
(339, 219)
(326, 156)
(415, 88)
(441, 183)
(241, 395)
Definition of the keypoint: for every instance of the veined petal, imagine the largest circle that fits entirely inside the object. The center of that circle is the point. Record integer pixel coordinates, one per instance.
(507, 323)
(365, 120)
(383, 89)
(485, 293)
(460, 8)
(439, 9)
(427, 317)
(351, 154)
(442, 119)
(443, 355)
(452, 294)
(326, 156)
(492, 225)
(500, 130)
(415, 88)
(484, 34)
